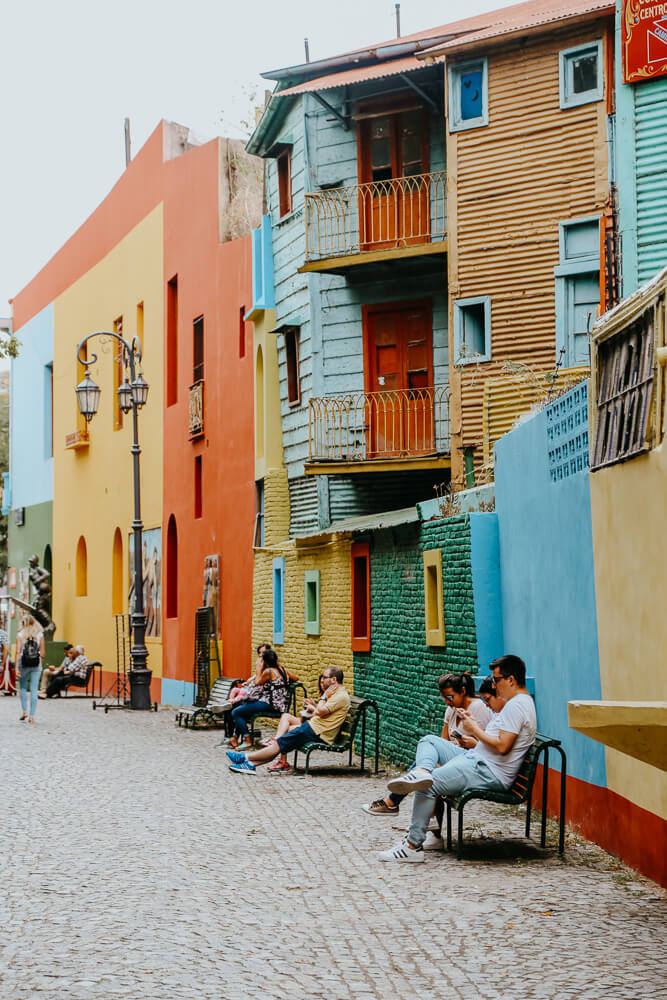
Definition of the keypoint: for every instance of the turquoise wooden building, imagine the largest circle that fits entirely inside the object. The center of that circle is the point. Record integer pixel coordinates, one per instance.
(641, 144)
(356, 194)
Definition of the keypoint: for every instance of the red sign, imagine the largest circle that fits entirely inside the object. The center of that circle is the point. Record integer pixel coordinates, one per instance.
(644, 40)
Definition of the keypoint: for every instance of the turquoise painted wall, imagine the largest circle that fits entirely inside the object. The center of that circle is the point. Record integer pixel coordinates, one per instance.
(546, 557)
(32, 537)
(30, 455)
(641, 172)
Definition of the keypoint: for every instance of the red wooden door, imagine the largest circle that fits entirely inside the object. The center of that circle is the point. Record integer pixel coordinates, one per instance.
(399, 411)
(393, 199)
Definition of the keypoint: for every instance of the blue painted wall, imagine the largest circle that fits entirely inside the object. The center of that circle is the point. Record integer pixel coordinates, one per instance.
(486, 587)
(30, 459)
(546, 556)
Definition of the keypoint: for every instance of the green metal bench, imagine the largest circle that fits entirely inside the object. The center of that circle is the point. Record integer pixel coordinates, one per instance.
(275, 713)
(215, 711)
(520, 791)
(344, 742)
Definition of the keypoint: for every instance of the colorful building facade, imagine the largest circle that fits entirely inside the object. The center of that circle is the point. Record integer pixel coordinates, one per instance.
(111, 276)
(529, 203)
(29, 495)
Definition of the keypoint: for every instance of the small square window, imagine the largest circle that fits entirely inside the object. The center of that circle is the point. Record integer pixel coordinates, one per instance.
(312, 601)
(581, 80)
(468, 95)
(472, 330)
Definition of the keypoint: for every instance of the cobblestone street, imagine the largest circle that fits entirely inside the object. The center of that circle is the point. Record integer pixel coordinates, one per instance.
(136, 865)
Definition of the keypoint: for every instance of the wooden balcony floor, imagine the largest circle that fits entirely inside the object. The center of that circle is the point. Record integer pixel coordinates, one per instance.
(342, 264)
(385, 464)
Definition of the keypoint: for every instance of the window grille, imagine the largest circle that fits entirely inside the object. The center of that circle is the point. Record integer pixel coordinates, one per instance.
(625, 392)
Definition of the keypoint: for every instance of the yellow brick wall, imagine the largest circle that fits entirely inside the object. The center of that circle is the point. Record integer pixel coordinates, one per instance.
(276, 506)
(307, 655)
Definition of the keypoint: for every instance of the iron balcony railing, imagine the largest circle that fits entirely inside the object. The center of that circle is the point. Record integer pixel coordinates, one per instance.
(389, 214)
(196, 409)
(396, 423)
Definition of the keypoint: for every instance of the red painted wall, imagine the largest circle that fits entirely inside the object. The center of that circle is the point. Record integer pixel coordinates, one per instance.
(214, 281)
(619, 826)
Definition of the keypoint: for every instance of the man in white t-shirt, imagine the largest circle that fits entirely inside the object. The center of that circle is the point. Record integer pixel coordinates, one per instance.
(491, 765)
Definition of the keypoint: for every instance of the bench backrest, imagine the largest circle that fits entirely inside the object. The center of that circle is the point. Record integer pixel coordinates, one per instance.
(523, 783)
(349, 727)
(220, 691)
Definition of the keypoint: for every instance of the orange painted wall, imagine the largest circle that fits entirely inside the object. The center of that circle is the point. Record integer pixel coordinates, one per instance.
(214, 280)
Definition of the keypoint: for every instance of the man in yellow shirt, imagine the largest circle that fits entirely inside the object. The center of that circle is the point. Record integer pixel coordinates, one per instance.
(323, 725)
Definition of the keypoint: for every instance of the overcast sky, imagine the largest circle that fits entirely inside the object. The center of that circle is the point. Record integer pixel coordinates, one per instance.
(73, 70)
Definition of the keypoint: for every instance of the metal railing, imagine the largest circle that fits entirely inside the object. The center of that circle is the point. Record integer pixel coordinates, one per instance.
(196, 409)
(396, 423)
(375, 216)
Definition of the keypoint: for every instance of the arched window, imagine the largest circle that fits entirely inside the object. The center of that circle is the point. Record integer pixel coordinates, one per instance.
(259, 405)
(117, 574)
(172, 569)
(81, 568)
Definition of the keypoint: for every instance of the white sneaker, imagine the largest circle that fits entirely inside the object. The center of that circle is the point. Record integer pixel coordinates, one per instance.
(403, 853)
(433, 825)
(433, 842)
(413, 781)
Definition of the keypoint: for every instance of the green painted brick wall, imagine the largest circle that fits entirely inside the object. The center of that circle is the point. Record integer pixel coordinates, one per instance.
(401, 671)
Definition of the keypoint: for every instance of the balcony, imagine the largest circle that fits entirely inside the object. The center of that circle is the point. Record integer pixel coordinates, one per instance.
(381, 431)
(196, 409)
(404, 217)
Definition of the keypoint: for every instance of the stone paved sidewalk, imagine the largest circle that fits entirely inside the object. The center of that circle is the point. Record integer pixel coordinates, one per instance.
(137, 866)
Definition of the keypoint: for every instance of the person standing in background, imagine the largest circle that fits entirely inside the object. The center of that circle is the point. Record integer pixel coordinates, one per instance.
(29, 660)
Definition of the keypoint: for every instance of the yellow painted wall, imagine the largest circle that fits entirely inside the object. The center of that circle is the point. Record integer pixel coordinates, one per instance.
(307, 655)
(93, 487)
(629, 510)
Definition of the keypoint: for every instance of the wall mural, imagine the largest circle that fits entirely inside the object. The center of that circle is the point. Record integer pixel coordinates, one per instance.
(152, 574)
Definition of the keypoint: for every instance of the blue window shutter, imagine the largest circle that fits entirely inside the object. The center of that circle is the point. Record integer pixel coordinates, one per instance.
(279, 601)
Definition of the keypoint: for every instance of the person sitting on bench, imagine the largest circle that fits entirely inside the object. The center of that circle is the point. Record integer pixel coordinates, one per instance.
(48, 673)
(75, 672)
(327, 718)
(442, 768)
(458, 693)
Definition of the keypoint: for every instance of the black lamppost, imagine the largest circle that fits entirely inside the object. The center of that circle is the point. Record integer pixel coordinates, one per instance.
(132, 395)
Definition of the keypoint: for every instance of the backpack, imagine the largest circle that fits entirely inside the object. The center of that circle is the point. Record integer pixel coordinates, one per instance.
(30, 654)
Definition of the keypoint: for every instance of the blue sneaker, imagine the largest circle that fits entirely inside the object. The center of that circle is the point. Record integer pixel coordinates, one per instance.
(235, 756)
(244, 767)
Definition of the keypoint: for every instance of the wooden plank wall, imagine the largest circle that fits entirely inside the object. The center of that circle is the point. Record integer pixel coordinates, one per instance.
(510, 184)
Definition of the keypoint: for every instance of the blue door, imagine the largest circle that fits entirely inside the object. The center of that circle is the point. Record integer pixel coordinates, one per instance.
(582, 298)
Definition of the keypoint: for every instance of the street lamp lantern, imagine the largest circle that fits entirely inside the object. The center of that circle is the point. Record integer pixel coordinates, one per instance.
(140, 390)
(132, 395)
(124, 392)
(88, 396)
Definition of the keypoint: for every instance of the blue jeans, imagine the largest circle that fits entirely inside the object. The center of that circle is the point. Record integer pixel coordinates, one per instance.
(454, 771)
(245, 711)
(31, 674)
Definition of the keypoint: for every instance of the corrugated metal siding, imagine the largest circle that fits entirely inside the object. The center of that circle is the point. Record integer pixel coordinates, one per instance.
(358, 495)
(506, 399)
(303, 511)
(533, 166)
(651, 173)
